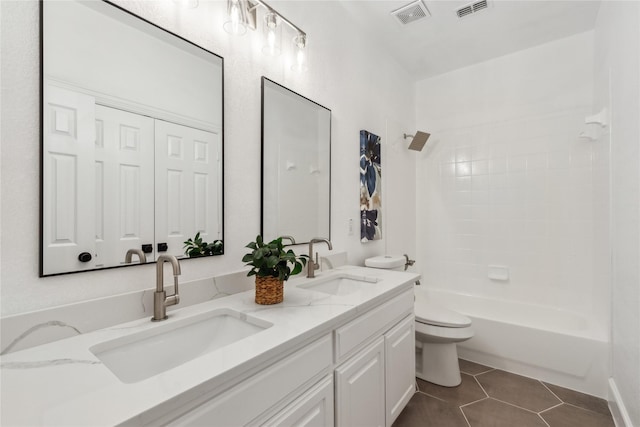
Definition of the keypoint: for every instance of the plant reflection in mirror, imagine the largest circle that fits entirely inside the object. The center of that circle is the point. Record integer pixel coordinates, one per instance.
(197, 247)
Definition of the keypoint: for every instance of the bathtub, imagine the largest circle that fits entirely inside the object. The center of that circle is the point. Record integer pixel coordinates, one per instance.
(556, 346)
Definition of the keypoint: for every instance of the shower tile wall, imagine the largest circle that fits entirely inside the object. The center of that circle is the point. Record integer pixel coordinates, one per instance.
(508, 180)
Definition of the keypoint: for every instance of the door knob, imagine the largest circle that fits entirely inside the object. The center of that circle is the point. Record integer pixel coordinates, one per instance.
(84, 257)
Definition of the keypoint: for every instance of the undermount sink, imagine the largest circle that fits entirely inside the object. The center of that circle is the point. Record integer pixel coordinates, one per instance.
(339, 286)
(141, 355)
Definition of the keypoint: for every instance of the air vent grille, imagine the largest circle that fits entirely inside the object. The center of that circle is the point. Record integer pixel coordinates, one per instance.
(411, 12)
(472, 8)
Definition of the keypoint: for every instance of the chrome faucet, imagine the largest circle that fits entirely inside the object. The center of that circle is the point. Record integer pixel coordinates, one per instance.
(311, 265)
(131, 252)
(160, 299)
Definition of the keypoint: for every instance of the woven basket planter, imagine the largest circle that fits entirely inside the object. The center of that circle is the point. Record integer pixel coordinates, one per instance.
(269, 290)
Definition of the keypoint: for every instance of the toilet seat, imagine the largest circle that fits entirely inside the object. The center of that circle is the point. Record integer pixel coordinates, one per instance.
(436, 315)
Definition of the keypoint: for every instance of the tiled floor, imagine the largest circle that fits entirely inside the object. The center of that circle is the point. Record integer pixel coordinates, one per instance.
(490, 397)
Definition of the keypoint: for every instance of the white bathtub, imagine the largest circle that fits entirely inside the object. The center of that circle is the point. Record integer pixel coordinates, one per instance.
(552, 345)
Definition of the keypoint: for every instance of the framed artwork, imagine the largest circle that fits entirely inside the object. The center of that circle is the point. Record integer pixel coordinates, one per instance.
(370, 187)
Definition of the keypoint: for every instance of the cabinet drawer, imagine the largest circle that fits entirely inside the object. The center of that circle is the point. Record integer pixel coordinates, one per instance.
(313, 409)
(354, 334)
(252, 397)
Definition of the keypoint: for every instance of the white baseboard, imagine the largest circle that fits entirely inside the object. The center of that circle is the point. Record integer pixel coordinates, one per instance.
(616, 406)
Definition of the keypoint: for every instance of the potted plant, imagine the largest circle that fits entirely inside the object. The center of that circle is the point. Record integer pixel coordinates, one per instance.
(272, 266)
(197, 247)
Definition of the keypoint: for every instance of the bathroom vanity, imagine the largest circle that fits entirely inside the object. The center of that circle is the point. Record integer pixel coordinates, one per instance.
(338, 351)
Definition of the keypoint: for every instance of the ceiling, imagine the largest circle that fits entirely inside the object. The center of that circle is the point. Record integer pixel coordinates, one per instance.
(444, 42)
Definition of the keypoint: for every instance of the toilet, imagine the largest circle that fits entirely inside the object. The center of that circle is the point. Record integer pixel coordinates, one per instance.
(438, 329)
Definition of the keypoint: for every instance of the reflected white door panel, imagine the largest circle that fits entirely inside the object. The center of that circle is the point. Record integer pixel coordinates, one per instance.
(68, 134)
(187, 177)
(124, 184)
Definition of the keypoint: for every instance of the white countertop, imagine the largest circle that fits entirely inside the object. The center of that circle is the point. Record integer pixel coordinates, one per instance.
(64, 383)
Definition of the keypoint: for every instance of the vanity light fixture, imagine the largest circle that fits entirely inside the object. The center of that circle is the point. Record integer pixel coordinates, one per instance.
(242, 16)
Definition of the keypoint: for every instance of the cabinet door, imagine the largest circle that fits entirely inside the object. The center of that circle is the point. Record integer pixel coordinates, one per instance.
(360, 388)
(313, 409)
(68, 183)
(400, 372)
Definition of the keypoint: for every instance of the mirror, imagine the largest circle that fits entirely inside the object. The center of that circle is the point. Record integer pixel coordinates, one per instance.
(132, 139)
(296, 165)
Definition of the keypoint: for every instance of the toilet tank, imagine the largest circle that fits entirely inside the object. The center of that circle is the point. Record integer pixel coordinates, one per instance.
(387, 262)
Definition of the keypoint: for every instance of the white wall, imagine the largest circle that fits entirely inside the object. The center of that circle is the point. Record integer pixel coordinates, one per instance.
(364, 88)
(508, 181)
(617, 88)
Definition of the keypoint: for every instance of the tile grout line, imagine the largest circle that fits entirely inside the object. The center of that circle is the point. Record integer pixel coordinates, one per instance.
(489, 369)
(475, 401)
(550, 391)
(480, 385)
(553, 407)
(433, 397)
(516, 406)
(565, 403)
(548, 409)
(465, 416)
(544, 421)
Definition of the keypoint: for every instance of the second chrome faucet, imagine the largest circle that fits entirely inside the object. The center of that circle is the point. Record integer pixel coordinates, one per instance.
(312, 265)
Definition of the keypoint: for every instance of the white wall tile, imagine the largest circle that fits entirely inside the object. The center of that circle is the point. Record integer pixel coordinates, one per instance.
(531, 189)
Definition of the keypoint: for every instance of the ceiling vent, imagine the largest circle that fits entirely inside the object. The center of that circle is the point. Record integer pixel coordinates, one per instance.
(472, 8)
(412, 12)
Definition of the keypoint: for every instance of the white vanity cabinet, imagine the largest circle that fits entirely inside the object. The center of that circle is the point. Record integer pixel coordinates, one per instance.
(253, 400)
(377, 377)
(361, 374)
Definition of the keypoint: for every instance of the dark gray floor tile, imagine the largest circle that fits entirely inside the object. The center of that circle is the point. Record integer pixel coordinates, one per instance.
(468, 391)
(472, 368)
(426, 411)
(518, 390)
(580, 400)
(571, 416)
(491, 413)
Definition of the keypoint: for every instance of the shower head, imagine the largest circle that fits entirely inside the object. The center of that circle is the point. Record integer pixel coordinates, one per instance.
(418, 141)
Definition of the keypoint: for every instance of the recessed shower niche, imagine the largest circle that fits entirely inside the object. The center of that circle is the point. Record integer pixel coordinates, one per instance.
(132, 138)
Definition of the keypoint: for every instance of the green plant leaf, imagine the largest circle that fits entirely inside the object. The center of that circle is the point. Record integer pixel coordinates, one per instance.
(297, 269)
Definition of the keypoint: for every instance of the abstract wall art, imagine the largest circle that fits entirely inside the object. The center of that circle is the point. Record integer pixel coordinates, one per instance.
(370, 187)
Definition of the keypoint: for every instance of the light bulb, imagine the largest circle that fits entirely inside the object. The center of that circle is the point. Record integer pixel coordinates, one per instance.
(235, 24)
(271, 32)
(300, 43)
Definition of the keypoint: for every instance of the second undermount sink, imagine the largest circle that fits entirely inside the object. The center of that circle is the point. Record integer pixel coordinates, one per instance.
(141, 355)
(339, 286)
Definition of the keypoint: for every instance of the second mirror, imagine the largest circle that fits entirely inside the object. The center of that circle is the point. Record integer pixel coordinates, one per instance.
(296, 165)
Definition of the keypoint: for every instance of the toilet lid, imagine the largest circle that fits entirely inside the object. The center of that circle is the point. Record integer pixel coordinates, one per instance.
(385, 261)
(434, 314)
